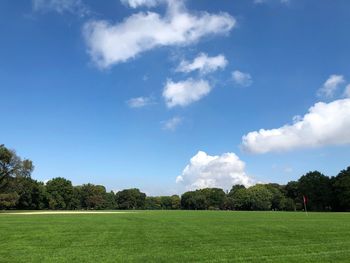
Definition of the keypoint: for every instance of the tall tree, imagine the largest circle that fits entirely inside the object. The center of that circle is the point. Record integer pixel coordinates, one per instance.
(341, 190)
(131, 199)
(93, 196)
(317, 188)
(60, 192)
(215, 197)
(12, 165)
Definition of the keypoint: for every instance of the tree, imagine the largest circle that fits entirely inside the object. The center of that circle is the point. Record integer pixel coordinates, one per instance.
(317, 188)
(341, 190)
(278, 201)
(12, 165)
(237, 192)
(8, 200)
(175, 202)
(257, 197)
(32, 194)
(110, 200)
(194, 200)
(260, 197)
(60, 192)
(235, 188)
(131, 199)
(293, 192)
(240, 199)
(215, 197)
(93, 196)
(153, 203)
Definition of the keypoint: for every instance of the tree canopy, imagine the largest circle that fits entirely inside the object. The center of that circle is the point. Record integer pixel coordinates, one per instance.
(19, 191)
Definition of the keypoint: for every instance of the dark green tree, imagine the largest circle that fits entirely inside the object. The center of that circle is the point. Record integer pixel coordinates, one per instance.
(341, 191)
(131, 199)
(215, 198)
(153, 203)
(93, 196)
(60, 191)
(194, 200)
(317, 188)
(12, 166)
(175, 202)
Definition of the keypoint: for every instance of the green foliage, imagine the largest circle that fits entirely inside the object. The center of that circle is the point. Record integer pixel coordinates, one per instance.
(19, 191)
(12, 165)
(93, 196)
(60, 192)
(131, 199)
(341, 189)
(32, 194)
(207, 198)
(153, 203)
(317, 188)
(8, 200)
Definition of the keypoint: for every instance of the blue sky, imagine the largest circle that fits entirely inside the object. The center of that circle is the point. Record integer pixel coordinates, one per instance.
(158, 94)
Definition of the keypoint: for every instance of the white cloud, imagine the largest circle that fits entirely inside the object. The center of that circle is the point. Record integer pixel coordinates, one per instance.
(214, 171)
(139, 102)
(347, 91)
(110, 44)
(330, 86)
(172, 123)
(324, 124)
(241, 78)
(203, 64)
(268, 1)
(139, 3)
(61, 6)
(183, 93)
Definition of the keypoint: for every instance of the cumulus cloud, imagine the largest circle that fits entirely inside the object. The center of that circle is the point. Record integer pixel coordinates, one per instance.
(172, 123)
(183, 93)
(139, 102)
(203, 64)
(214, 171)
(241, 78)
(331, 85)
(61, 6)
(110, 44)
(324, 124)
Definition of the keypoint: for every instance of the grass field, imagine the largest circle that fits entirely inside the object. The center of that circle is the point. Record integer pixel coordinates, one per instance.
(176, 236)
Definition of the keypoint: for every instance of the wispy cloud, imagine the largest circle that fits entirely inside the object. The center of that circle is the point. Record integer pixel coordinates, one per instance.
(241, 78)
(61, 6)
(203, 63)
(139, 3)
(330, 86)
(270, 1)
(347, 91)
(140, 102)
(172, 124)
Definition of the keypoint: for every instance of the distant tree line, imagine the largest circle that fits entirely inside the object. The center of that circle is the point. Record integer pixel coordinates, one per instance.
(19, 191)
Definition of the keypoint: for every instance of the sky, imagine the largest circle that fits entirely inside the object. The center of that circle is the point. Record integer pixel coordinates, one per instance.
(169, 96)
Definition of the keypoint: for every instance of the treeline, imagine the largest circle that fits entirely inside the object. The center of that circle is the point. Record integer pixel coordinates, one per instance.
(19, 191)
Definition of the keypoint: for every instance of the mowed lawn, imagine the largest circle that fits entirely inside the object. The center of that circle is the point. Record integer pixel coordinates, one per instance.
(176, 236)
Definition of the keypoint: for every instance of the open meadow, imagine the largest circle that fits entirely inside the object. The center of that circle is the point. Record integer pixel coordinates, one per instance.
(175, 236)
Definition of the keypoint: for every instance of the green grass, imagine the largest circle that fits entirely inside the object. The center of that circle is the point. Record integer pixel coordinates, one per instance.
(176, 236)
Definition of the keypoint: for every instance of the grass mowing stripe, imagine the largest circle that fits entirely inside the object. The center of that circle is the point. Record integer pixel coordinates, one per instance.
(176, 236)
